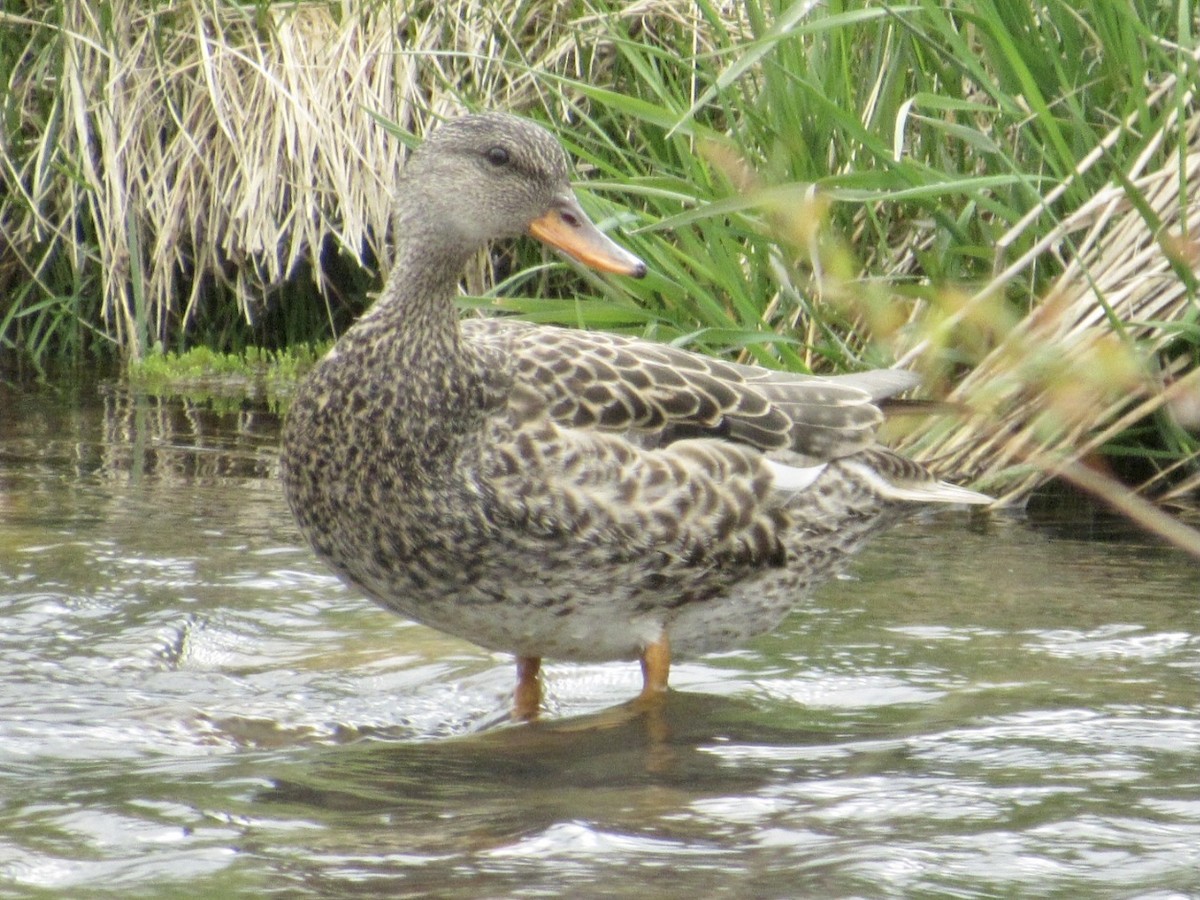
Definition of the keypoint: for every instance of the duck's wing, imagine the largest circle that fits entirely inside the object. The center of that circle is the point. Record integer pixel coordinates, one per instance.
(620, 384)
(567, 458)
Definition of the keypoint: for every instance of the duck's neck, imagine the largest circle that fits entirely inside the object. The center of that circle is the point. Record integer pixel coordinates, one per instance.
(415, 315)
(426, 386)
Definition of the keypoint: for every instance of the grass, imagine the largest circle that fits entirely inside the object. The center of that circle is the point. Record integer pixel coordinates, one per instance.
(204, 374)
(997, 193)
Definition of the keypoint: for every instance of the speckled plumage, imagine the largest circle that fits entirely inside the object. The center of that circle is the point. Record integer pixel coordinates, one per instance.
(550, 492)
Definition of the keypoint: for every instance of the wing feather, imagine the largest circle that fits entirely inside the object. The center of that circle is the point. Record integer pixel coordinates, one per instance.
(640, 447)
(622, 384)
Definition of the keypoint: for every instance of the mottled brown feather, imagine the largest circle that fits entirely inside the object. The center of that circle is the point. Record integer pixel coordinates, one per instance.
(620, 383)
(550, 492)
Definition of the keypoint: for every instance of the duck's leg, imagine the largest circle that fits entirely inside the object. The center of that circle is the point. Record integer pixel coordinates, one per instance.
(528, 697)
(656, 666)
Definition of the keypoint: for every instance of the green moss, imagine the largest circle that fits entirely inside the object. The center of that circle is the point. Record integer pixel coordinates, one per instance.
(205, 374)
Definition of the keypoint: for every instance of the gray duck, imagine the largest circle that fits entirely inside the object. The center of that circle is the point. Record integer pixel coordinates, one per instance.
(549, 492)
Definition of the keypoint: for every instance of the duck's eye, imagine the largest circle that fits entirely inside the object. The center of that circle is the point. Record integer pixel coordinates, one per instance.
(497, 156)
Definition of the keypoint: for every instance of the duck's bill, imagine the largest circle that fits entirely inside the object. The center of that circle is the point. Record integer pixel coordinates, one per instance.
(565, 227)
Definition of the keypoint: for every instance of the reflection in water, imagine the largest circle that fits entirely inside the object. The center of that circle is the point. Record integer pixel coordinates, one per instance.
(189, 701)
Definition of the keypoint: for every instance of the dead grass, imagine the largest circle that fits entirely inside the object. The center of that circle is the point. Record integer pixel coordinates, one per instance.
(205, 141)
(1092, 359)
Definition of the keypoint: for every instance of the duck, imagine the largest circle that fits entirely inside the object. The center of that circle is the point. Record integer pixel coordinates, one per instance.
(549, 492)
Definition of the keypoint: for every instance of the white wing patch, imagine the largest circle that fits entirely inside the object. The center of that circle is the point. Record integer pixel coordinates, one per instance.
(793, 479)
(916, 491)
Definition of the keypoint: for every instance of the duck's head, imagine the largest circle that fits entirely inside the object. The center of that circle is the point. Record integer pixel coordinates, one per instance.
(496, 175)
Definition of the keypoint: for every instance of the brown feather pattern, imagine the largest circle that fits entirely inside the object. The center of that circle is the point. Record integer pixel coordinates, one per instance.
(551, 492)
(618, 383)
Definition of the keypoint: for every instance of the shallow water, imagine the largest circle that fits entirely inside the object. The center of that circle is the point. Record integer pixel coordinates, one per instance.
(190, 703)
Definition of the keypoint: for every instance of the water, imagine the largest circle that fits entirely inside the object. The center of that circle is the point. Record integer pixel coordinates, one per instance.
(190, 704)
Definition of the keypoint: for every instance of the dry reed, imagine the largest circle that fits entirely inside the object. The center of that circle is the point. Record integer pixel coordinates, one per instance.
(1090, 360)
(204, 140)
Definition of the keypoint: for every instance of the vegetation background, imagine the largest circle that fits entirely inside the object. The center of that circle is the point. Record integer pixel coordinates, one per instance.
(1001, 193)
